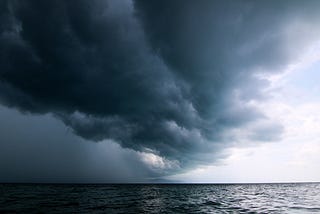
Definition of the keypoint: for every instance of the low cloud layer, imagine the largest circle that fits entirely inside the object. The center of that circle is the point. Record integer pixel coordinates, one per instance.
(39, 148)
(173, 79)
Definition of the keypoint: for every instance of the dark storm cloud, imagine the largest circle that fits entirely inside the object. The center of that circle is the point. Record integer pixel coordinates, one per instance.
(38, 148)
(169, 76)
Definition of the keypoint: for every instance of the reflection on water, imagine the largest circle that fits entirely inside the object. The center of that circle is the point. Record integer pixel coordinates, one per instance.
(160, 198)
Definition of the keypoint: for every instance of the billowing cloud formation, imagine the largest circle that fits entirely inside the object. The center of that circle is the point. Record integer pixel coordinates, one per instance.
(38, 148)
(167, 77)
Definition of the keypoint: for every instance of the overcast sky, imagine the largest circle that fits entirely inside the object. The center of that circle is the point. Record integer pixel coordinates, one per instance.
(148, 91)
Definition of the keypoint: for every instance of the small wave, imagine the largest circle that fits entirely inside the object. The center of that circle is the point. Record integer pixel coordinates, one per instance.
(71, 204)
(212, 203)
(314, 209)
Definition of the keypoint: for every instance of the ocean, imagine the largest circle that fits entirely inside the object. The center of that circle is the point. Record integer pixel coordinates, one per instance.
(160, 198)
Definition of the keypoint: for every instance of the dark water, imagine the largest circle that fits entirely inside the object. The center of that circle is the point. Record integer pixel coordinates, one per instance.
(173, 198)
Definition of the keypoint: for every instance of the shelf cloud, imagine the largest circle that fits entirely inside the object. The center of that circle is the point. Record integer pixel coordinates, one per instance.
(171, 79)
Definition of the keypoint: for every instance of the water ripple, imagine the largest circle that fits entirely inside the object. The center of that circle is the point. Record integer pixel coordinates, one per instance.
(179, 198)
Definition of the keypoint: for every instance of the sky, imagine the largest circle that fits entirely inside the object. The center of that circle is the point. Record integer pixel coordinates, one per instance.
(159, 91)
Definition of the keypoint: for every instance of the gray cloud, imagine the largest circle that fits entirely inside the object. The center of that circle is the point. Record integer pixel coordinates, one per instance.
(36, 148)
(167, 76)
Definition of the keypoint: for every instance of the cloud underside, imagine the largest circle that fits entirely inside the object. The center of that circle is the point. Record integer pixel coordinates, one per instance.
(173, 79)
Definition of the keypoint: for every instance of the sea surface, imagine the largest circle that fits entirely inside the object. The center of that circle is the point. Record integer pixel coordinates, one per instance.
(160, 198)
